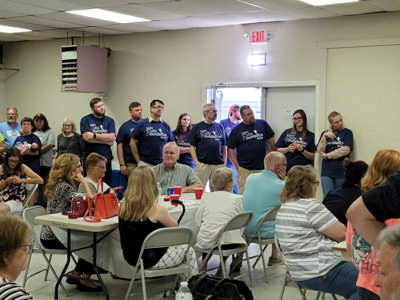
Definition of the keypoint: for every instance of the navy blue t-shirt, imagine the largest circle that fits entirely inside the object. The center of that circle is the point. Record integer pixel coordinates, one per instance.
(124, 137)
(228, 126)
(296, 158)
(184, 158)
(334, 167)
(152, 137)
(250, 142)
(101, 125)
(208, 140)
(32, 161)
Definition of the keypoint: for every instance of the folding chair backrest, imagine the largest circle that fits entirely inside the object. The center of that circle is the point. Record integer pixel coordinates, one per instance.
(239, 221)
(29, 215)
(30, 190)
(171, 236)
(269, 216)
(278, 247)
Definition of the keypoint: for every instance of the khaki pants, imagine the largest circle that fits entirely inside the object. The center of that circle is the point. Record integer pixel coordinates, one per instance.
(205, 171)
(131, 167)
(242, 176)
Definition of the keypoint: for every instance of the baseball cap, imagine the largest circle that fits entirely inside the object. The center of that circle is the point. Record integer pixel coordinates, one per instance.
(233, 108)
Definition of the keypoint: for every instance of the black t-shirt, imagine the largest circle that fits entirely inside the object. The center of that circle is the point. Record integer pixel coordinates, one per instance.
(339, 200)
(132, 235)
(383, 201)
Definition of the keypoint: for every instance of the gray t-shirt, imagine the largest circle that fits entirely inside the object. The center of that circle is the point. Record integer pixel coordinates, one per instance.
(46, 138)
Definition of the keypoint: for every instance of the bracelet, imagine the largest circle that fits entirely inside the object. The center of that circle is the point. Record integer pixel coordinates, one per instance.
(302, 150)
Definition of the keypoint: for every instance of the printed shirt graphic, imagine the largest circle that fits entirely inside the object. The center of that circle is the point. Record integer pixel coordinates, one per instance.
(184, 158)
(102, 125)
(124, 136)
(250, 142)
(152, 136)
(228, 126)
(296, 158)
(9, 133)
(208, 140)
(334, 167)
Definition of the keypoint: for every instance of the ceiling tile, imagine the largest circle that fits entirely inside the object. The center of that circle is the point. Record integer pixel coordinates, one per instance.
(354, 9)
(101, 30)
(45, 22)
(75, 19)
(11, 22)
(146, 12)
(56, 5)
(23, 8)
(388, 5)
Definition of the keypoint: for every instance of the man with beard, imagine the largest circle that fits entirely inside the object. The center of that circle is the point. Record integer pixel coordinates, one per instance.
(250, 139)
(10, 129)
(98, 133)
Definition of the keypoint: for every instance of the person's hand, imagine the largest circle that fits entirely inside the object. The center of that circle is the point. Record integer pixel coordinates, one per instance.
(87, 136)
(123, 169)
(282, 174)
(329, 135)
(292, 148)
(34, 147)
(298, 147)
(17, 179)
(323, 155)
(10, 179)
(79, 178)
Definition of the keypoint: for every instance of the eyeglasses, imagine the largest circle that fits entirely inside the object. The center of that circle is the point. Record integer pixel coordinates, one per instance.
(296, 119)
(67, 125)
(158, 107)
(169, 153)
(212, 111)
(14, 161)
(28, 248)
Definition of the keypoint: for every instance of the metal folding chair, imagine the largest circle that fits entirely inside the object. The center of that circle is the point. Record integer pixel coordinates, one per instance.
(240, 221)
(161, 238)
(256, 238)
(29, 215)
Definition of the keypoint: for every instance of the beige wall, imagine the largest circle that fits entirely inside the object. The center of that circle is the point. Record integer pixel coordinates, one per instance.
(176, 65)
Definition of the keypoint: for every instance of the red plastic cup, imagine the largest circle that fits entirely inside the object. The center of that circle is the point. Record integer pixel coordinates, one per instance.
(166, 198)
(198, 192)
(178, 190)
(174, 197)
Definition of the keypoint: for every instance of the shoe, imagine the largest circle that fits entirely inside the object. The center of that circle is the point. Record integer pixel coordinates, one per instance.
(72, 280)
(274, 261)
(84, 288)
(235, 265)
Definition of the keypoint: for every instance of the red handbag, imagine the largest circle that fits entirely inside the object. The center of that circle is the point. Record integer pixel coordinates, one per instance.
(105, 205)
(79, 205)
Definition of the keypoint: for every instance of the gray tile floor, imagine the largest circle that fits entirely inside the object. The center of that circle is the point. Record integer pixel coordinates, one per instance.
(43, 290)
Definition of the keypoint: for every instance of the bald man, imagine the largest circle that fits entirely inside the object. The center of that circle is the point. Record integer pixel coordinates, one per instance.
(261, 193)
(169, 173)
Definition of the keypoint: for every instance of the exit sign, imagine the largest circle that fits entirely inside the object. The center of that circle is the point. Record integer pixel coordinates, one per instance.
(258, 36)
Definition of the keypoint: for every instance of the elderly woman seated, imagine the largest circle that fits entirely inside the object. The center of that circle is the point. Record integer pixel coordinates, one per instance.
(215, 210)
(15, 249)
(95, 166)
(306, 231)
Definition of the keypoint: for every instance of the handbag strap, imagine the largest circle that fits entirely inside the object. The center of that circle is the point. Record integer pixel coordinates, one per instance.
(198, 282)
(89, 210)
(99, 183)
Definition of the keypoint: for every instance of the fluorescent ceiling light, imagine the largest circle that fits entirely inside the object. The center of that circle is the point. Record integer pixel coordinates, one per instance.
(327, 2)
(10, 29)
(107, 15)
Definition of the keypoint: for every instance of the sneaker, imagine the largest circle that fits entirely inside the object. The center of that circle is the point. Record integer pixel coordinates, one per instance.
(274, 261)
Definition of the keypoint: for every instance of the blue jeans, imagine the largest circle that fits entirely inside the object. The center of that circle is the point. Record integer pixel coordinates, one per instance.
(340, 280)
(364, 294)
(330, 183)
(230, 165)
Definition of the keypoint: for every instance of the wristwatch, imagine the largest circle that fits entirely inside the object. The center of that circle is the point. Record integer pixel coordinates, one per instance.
(302, 150)
(122, 165)
(94, 135)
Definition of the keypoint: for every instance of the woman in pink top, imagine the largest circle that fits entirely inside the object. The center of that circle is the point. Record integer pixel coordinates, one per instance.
(364, 256)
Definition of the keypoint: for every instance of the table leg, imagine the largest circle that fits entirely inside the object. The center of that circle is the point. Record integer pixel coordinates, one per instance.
(66, 264)
(95, 266)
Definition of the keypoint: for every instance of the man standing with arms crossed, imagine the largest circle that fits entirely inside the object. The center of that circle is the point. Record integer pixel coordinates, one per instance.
(152, 134)
(208, 144)
(250, 140)
(127, 162)
(98, 133)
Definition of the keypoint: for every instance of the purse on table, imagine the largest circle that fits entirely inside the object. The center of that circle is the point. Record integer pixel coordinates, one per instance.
(209, 287)
(105, 204)
(79, 205)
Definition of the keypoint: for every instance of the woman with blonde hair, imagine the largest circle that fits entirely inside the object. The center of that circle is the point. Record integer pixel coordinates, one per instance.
(65, 175)
(384, 164)
(335, 144)
(15, 249)
(140, 215)
(307, 231)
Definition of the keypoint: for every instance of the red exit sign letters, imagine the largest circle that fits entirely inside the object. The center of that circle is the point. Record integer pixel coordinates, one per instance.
(258, 36)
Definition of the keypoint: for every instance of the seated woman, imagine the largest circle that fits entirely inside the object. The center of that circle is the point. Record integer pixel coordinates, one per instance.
(339, 200)
(15, 249)
(65, 175)
(14, 175)
(307, 230)
(215, 210)
(95, 165)
(364, 256)
(140, 215)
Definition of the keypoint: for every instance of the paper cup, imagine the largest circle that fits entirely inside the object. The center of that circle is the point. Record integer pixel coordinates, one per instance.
(198, 192)
(178, 190)
(174, 197)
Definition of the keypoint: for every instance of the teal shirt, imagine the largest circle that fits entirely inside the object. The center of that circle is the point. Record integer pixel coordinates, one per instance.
(262, 192)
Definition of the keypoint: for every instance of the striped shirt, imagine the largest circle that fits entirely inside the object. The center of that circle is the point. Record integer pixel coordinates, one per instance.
(11, 291)
(307, 253)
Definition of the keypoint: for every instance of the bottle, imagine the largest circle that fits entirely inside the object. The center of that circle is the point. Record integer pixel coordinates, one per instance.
(184, 292)
(159, 198)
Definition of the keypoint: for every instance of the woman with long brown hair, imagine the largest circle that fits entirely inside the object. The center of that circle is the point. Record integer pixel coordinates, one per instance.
(297, 143)
(384, 164)
(181, 136)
